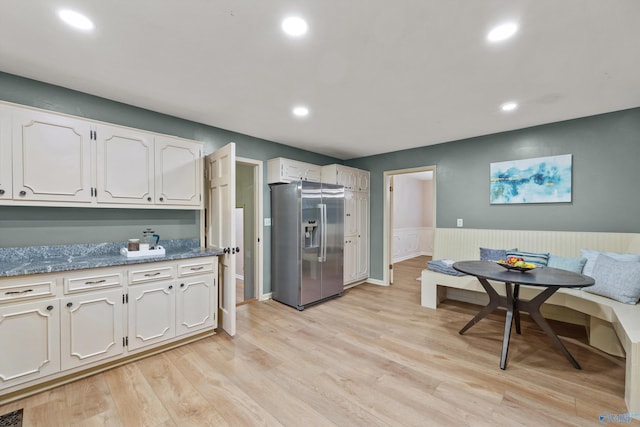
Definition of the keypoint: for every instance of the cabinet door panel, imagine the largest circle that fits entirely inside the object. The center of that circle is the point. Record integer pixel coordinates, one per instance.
(347, 178)
(350, 214)
(91, 328)
(363, 181)
(178, 178)
(293, 171)
(51, 158)
(196, 304)
(152, 316)
(350, 259)
(6, 180)
(313, 173)
(30, 337)
(197, 267)
(362, 201)
(125, 172)
(145, 273)
(19, 289)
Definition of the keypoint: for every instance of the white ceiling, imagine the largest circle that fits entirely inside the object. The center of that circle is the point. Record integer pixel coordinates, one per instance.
(377, 75)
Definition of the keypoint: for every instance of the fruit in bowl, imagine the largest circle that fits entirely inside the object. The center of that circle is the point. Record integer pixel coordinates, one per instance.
(516, 262)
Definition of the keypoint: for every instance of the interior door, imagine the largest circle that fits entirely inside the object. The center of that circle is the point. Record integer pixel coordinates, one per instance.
(221, 233)
(390, 230)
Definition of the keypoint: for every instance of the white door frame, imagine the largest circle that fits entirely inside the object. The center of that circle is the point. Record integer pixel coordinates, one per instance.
(259, 244)
(387, 255)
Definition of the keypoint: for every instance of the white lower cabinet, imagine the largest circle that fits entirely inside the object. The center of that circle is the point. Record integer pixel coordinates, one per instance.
(52, 325)
(165, 309)
(30, 341)
(91, 328)
(196, 304)
(152, 314)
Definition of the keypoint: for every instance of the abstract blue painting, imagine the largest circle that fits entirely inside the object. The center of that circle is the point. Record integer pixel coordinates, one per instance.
(539, 180)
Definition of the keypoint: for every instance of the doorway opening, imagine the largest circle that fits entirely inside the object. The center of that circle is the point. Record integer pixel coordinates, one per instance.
(409, 216)
(249, 266)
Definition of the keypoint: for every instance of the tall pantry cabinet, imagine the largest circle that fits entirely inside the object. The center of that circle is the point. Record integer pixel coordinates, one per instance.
(356, 219)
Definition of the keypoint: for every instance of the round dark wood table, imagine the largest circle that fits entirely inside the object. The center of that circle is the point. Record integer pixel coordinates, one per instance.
(551, 279)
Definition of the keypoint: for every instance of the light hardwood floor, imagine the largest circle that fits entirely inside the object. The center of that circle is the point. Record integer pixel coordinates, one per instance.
(373, 357)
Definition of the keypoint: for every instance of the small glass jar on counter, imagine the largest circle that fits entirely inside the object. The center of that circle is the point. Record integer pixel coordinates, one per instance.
(134, 245)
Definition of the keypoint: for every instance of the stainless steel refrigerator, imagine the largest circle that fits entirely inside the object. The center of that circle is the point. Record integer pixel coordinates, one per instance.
(307, 235)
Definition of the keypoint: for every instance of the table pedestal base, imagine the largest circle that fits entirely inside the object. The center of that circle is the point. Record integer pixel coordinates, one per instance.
(514, 305)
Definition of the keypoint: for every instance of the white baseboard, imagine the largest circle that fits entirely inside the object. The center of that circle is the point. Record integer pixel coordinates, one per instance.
(406, 257)
(265, 297)
(412, 255)
(376, 282)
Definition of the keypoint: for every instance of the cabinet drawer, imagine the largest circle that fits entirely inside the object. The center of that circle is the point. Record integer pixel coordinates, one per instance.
(92, 280)
(195, 267)
(144, 275)
(22, 289)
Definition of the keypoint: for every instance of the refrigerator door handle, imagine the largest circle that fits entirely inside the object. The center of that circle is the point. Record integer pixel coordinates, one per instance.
(321, 232)
(324, 232)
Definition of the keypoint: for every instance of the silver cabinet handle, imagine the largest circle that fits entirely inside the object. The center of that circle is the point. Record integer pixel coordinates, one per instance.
(196, 268)
(152, 274)
(95, 282)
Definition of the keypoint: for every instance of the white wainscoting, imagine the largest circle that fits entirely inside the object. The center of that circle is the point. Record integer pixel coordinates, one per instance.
(409, 242)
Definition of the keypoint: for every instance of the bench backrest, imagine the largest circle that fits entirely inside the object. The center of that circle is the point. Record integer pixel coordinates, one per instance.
(464, 243)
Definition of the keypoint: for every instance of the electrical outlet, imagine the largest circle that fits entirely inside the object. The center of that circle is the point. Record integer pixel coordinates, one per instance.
(459, 222)
(267, 222)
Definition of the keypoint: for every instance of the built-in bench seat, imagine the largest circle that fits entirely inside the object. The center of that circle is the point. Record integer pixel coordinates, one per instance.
(612, 326)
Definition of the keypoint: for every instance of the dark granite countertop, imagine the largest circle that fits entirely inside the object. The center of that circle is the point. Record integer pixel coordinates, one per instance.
(52, 259)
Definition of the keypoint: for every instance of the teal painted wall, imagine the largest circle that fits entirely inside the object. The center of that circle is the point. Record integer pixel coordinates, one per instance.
(606, 174)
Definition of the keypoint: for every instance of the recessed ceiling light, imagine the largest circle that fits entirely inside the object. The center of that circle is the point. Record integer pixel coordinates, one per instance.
(509, 106)
(502, 32)
(76, 20)
(294, 26)
(301, 111)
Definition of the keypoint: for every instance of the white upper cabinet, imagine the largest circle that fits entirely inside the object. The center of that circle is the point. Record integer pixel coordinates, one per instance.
(125, 172)
(363, 181)
(341, 175)
(51, 158)
(287, 170)
(178, 172)
(6, 186)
